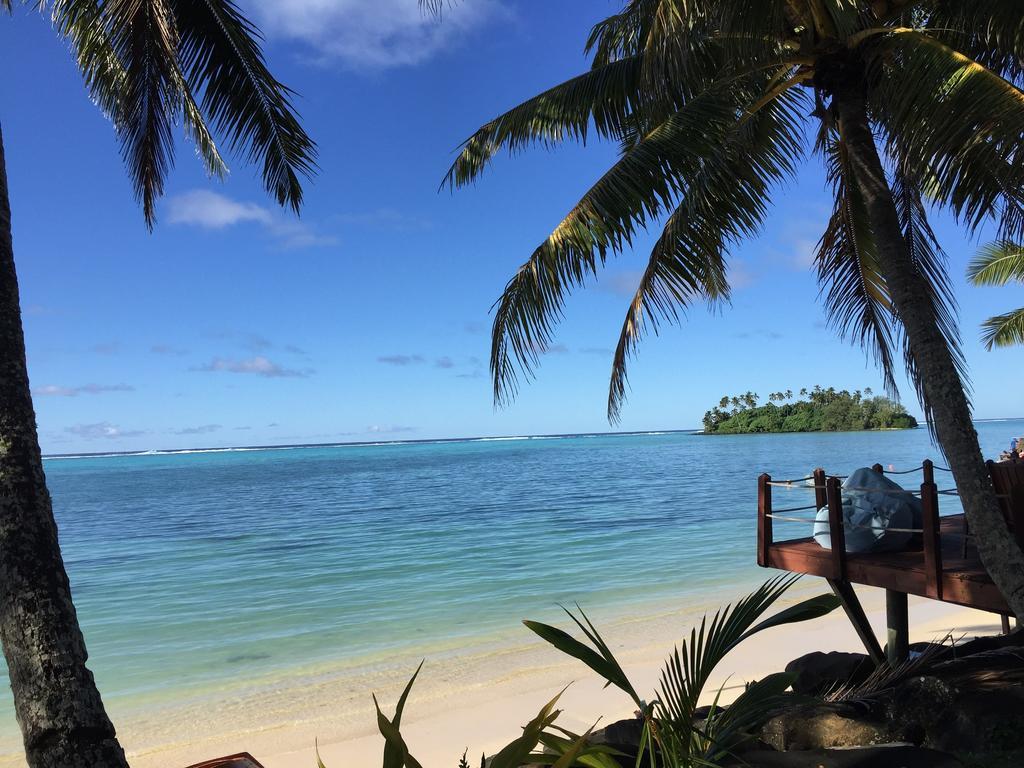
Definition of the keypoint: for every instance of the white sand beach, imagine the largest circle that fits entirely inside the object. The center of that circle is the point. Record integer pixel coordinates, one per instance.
(477, 698)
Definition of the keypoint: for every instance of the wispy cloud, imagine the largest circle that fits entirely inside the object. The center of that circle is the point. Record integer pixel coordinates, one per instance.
(167, 349)
(622, 283)
(596, 351)
(202, 429)
(53, 390)
(373, 34)
(258, 365)
(102, 429)
(211, 210)
(106, 348)
(390, 429)
(384, 219)
(444, 362)
(759, 334)
(401, 360)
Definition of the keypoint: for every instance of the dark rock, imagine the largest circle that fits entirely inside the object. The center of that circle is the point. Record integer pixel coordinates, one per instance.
(821, 726)
(623, 735)
(890, 756)
(819, 673)
(972, 704)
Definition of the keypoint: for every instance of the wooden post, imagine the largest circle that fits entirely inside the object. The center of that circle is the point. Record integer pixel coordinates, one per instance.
(836, 530)
(1004, 624)
(764, 523)
(855, 613)
(820, 499)
(897, 627)
(932, 543)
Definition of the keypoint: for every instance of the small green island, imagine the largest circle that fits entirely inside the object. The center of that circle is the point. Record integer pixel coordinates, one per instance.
(817, 410)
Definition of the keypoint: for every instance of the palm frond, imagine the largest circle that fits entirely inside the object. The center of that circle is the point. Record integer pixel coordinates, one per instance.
(83, 24)
(222, 59)
(997, 264)
(953, 119)
(144, 38)
(725, 203)
(689, 667)
(855, 295)
(929, 260)
(989, 31)
(644, 183)
(1004, 330)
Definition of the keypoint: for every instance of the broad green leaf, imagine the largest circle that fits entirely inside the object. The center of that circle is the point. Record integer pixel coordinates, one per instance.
(811, 608)
(517, 752)
(398, 756)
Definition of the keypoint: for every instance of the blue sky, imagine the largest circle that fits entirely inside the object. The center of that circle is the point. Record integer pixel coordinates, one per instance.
(234, 323)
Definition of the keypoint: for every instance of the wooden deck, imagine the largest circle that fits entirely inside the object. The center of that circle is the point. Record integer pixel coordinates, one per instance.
(963, 580)
(944, 564)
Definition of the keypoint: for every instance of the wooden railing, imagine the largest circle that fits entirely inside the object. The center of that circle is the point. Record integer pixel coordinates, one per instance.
(828, 495)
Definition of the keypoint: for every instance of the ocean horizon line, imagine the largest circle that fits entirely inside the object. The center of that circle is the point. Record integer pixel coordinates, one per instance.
(420, 441)
(365, 443)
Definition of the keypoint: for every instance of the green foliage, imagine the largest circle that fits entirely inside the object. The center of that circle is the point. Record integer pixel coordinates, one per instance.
(672, 735)
(824, 410)
(999, 264)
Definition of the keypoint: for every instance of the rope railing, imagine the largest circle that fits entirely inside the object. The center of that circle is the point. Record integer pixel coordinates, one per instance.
(848, 524)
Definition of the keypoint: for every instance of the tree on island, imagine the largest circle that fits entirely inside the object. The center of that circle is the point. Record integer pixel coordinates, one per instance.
(710, 103)
(826, 410)
(146, 64)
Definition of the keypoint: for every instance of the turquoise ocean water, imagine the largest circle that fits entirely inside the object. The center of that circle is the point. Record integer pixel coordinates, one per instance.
(192, 569)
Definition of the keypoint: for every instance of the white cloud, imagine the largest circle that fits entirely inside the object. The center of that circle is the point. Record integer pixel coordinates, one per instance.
(52, 390)
(372, 34)
(213, 211)
(388, 429)
(258, 365)
(102, 429)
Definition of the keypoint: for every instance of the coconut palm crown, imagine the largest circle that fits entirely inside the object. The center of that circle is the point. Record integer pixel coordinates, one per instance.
(711, 101)
(715, 105)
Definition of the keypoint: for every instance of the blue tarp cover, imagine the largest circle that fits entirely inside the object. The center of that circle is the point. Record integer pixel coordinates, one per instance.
(872, 505)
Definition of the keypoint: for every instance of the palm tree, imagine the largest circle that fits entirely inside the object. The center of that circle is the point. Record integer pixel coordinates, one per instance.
(146, 64)
(710, 102)
(998, 264)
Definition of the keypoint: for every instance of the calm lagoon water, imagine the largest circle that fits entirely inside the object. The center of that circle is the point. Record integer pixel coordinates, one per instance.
(191, 570)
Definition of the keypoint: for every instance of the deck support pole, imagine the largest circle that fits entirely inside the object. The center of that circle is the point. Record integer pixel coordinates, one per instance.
(898, 627)
(855, 613)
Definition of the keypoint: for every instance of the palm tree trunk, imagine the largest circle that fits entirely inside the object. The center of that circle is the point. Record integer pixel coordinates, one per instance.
(942, 385)
(56, 700)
